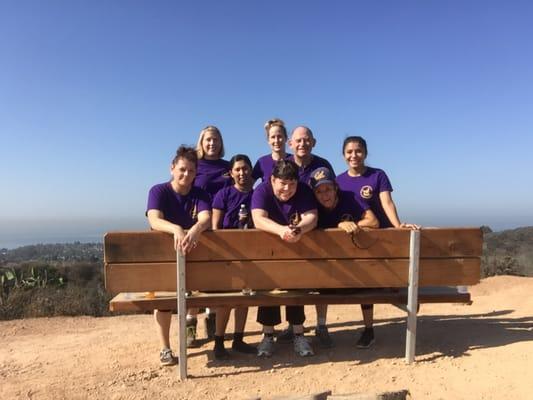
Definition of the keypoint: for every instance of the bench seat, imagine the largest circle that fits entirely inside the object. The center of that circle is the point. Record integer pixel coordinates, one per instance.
(138, 301)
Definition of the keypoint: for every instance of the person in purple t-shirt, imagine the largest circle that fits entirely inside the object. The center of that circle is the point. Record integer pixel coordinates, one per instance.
(276, 134)
(231, 210)
(301, 143)
(212, 175)
(213, 171)
(287, 208)
(372, 186)
(337, 209)
(174, 207)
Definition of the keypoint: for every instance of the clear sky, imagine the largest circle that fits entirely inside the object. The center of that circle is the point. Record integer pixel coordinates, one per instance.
(95, 97)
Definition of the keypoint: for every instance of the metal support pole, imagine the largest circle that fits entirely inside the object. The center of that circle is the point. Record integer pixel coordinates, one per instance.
(412, 296)
(182, 313)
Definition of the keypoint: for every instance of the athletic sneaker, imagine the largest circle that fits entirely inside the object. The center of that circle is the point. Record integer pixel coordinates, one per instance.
(367, 339)
(266, 347)
(167, 358)
(322, 334)
(302, 346)
(286, 335)
(191, 333)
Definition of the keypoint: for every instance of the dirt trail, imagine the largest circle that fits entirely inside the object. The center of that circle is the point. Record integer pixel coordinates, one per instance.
(482, 351)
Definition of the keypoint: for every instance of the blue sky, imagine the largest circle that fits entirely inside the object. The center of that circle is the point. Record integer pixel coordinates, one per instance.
(96, 96)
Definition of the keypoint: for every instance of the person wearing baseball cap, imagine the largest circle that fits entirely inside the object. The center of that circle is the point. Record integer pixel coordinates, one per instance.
(337, 209)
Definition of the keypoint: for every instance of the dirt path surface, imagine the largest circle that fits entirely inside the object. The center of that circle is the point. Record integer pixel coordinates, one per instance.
(482, 351)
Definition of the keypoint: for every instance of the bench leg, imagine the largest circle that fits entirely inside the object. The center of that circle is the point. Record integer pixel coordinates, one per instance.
(182, 313)
(412, 296)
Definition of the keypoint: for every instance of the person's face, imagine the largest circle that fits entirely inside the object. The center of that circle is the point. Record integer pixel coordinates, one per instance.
(211, 145)
(241, 173)
(301, 142)
(183, 172)
(326, 195)
(276, 139)
(354, 155)
(284, 189)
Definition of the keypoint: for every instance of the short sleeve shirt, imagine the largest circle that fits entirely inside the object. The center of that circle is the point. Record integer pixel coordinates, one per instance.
(179, 209)
(348, 208)
(304, 173)
(284, 212)
(229, 200)
(212, 175)
(264, 166)
(367, 188)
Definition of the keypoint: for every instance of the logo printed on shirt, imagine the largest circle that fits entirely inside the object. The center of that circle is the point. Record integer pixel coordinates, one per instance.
(366, 192)
(194, 212)
(294, 219)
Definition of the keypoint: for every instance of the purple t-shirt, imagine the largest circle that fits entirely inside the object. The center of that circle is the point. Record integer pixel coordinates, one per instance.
(176, 208)
(229, 200)
(264, 166)
(212, 175)
(367, 188)
(284, 212)
(304, 174)
(348, 208)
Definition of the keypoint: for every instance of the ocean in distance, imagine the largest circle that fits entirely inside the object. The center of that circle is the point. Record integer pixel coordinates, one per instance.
(21, 232)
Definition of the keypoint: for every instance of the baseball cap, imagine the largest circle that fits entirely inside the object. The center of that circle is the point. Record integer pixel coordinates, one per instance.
(320, 176)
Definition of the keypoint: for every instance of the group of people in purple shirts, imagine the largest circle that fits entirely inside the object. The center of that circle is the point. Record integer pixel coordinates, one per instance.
(298, 192)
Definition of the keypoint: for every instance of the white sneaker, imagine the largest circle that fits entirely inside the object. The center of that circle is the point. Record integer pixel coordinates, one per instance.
(266, 347)
(167, 358)
(302, 346)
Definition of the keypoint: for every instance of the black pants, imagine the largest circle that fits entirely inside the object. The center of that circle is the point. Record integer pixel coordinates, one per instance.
(271, 316)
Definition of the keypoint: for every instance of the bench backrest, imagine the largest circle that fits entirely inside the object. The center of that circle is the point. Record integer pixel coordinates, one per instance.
(228, 260)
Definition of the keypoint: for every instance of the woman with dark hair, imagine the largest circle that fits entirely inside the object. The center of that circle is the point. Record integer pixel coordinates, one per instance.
(231, 210)
(284, 207)
(174, 207)
(371, 186)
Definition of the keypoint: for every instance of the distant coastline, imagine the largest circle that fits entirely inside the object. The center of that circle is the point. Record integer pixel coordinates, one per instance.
(16, 243)
(17, 232)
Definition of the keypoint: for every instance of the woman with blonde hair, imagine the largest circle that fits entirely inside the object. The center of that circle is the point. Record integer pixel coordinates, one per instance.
(213, 170)
(212, 175)
(276, 135)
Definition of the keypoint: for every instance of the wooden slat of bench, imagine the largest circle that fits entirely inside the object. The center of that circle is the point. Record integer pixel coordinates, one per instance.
(167, 300)
(124, 247)
(296, 274)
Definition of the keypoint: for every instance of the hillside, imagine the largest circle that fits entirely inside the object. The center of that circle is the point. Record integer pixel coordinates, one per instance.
(508, 252)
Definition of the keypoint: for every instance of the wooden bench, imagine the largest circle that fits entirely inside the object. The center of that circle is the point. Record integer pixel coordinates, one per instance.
(228, 261)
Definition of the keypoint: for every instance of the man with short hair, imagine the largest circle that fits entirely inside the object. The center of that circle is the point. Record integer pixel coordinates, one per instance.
(302, 143)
